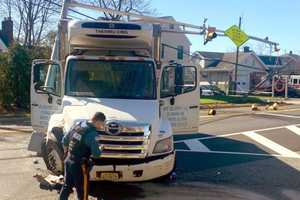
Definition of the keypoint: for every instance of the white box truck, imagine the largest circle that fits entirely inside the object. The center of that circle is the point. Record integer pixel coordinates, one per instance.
(109, 66)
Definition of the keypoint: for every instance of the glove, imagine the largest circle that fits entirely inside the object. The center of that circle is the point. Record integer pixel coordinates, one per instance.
(91, 163)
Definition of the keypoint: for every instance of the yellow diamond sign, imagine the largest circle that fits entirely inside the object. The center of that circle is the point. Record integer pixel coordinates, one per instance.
(238, 36)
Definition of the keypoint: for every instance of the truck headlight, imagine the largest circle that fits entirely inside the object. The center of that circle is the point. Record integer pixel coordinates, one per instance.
(163, 146)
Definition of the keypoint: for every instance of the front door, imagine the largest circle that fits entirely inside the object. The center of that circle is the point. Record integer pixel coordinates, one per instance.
(46, 90)
(179, 93)
(243, 83)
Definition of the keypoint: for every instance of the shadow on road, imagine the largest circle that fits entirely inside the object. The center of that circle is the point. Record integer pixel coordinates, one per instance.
(108, 191)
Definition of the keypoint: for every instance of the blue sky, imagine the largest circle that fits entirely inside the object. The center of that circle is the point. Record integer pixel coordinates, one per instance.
(278, 19)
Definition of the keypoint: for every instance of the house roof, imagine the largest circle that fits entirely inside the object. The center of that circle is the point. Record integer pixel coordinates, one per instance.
(211, 55)
(271, 60)
(291, 64)
(218, 65)
(3, 47)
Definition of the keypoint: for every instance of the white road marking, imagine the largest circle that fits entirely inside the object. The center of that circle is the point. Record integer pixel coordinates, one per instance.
(239, 153)
(294, 129)
(270, 144)
(279, 115)
(233, 134)
(196, 145)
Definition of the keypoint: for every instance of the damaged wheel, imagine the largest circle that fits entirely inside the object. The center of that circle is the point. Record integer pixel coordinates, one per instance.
(53, 157)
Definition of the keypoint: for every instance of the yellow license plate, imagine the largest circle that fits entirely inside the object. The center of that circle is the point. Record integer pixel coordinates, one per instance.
(109, 176)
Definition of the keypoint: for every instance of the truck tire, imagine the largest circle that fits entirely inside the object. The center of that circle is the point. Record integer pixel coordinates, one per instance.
(53, 156)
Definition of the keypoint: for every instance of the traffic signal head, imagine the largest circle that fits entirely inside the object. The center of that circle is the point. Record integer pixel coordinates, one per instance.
(211, 34)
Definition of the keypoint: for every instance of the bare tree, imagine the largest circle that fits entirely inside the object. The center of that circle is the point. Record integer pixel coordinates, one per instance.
(136, 6)
(6, 7)
(32, 18)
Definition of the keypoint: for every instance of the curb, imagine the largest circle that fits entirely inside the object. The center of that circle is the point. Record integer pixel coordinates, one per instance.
(208, 106)
(23, 129)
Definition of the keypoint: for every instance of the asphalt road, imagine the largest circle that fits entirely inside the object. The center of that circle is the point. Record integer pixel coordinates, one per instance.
(235, 155)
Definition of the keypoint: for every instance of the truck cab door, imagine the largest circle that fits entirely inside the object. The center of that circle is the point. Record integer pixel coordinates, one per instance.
(179, 92)
(46, 92)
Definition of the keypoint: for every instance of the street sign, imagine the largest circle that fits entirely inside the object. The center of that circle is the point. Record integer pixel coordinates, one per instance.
(238, 36)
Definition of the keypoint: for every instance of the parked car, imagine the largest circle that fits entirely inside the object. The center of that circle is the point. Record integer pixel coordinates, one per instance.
(210, 90)
(206, 91)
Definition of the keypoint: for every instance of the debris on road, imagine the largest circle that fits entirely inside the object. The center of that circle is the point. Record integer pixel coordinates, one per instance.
(50, 182)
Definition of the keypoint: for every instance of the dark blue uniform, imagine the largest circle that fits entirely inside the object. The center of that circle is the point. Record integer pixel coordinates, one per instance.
(81, 145)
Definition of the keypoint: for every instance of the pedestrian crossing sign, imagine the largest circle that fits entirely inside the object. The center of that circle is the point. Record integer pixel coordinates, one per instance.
(238, 36)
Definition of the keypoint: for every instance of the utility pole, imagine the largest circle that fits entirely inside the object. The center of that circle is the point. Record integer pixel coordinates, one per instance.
(237, 60)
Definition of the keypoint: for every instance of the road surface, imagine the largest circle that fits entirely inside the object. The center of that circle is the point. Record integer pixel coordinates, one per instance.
(236, 155)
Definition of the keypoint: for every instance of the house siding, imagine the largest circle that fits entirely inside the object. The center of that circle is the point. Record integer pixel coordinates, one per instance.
(176, 41)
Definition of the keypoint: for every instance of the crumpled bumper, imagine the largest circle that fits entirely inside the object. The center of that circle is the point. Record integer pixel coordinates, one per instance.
(137, 170)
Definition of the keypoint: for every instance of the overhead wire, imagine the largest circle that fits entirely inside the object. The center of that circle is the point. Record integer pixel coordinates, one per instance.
(211, 59)
(167, 45)
(53, 10)
(75, 11)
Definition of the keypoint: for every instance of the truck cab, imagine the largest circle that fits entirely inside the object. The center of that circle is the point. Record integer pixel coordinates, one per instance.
(109, 67)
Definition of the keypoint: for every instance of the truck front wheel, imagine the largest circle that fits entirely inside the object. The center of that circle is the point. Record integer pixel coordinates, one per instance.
(53, 157)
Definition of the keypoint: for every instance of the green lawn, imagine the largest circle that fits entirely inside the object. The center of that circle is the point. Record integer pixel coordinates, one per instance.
(231, 100)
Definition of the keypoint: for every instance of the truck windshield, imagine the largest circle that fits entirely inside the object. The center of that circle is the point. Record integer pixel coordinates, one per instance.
(111, 79)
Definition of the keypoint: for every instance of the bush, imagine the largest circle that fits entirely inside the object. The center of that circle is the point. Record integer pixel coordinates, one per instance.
(6, 96)
(15, 71)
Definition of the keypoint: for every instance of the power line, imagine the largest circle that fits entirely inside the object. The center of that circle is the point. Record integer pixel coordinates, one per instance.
(211, 59)
(75, 11)
(53, 10)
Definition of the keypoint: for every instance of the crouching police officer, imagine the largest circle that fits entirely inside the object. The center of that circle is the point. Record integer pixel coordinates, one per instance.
(80, 143)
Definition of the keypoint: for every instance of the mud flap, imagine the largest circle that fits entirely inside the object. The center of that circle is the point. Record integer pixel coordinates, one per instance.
(35, 143)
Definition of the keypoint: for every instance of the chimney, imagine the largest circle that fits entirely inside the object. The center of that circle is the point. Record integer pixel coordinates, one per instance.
(7, 31)
(246, 49)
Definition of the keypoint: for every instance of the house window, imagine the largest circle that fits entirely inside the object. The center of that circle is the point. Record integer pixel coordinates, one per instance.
(295, 81)
(180, 52)
(171, 26)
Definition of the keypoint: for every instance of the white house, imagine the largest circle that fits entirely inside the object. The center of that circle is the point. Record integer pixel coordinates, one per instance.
(174, 46)
(219, 69)
(288, 64)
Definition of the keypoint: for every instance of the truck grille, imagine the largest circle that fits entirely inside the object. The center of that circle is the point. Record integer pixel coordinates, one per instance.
(125, 144)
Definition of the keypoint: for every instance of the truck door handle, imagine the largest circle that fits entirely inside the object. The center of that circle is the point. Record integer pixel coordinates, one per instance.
(58, 101)
(35, 104)
(193, 107)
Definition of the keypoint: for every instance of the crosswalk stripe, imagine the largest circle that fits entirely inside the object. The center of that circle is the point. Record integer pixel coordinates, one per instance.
(294, 129)
(270, 144)
(196, 145)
